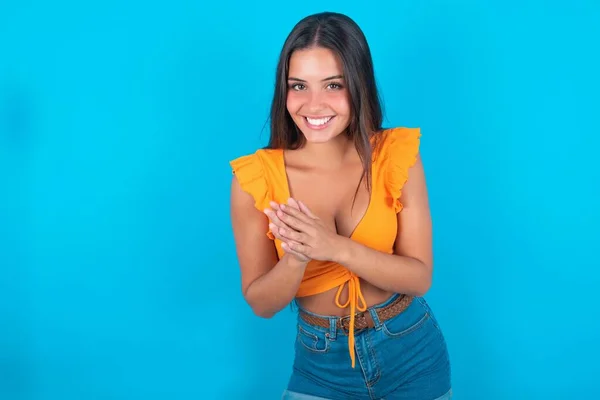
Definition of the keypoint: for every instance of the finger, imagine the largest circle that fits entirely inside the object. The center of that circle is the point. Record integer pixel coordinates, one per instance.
(275, 219)
(277, 233)
(292, 221)
(277, 207)
(296, 213)
(290, 234)
(300, 248)
(306, 210)
(274, 205)
(289, 250)
(292, 202)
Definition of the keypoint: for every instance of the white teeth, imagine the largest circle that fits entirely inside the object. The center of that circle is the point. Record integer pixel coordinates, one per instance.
(319, 121)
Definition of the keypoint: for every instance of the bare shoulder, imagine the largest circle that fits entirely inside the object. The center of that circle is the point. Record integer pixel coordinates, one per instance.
(240, 199)
(414, 192)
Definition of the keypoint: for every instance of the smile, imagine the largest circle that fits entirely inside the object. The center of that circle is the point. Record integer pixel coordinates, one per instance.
(318, 123)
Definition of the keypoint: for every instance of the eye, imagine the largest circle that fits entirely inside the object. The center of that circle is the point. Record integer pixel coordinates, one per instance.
(296, 86)
(334, 86)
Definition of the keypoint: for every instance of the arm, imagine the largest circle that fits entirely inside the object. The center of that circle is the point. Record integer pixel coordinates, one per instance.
(408, 270)
(268, 285)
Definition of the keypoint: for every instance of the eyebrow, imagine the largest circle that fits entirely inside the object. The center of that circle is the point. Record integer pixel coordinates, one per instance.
(291, 78)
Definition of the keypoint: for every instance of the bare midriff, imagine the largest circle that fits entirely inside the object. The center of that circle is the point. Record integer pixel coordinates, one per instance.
(325, 303)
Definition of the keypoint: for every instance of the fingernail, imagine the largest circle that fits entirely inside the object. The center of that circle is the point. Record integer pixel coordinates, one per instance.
(283, 206)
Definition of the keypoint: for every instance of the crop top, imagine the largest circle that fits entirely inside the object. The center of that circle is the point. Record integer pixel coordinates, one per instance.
(262, 175)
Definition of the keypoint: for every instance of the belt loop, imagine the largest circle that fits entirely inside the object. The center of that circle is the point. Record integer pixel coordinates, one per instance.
(332, 328)
(376, 321)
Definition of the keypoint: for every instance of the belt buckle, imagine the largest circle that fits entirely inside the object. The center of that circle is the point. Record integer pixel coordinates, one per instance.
(345, 323)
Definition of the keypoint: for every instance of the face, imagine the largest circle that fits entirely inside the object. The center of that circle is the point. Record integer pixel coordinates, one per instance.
(317, 98)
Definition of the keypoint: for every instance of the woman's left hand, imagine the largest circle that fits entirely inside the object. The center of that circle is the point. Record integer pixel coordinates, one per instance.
(308, 234)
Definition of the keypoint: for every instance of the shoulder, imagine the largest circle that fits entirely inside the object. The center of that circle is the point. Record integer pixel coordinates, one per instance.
(397, 150)
(400, 139)
(396, 145)
(255, 162)
(251, 174)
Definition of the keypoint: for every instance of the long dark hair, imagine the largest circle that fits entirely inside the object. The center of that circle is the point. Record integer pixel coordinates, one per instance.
(343, 37)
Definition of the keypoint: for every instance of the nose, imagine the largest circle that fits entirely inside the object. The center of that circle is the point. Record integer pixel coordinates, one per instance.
(315, 102)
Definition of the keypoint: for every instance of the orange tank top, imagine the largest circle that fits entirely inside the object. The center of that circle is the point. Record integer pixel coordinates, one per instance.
(262, 174)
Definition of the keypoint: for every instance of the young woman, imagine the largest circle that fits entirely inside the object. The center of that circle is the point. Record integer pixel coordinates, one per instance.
(334, 215)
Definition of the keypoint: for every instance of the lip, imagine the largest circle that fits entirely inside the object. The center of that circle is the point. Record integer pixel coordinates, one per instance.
(318, 127)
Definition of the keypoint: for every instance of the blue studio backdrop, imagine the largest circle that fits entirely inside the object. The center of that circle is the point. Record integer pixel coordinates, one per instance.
(118, 273)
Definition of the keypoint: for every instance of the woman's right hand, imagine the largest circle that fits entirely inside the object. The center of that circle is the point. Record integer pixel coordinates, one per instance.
(275, 222)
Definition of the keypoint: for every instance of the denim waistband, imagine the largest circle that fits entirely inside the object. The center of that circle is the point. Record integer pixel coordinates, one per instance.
(332, 331)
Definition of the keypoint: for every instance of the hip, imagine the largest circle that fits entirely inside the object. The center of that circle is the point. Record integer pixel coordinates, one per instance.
(404, 356)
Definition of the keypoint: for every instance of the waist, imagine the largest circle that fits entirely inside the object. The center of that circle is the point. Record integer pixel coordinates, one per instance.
(372, 317)
(325, 303)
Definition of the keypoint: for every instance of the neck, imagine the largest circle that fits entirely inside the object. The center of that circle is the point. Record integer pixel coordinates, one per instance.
(329, 155)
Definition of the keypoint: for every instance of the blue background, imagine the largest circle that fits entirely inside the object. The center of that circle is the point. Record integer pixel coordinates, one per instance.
(118, 276)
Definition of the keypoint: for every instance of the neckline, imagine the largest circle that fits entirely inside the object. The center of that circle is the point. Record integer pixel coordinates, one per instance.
(286, 184)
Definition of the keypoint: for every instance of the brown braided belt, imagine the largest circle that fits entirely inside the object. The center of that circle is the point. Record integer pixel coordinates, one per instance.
(362, 320)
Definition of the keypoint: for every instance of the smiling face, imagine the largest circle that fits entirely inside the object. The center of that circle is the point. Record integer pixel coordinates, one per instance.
(317, 98)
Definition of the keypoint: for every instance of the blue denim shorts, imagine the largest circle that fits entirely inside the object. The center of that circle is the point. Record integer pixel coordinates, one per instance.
(404, 357)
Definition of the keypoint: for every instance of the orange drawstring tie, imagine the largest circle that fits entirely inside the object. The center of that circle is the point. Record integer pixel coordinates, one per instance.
(356, 302)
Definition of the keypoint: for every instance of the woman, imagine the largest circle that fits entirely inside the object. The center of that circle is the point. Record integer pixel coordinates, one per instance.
(334, 215)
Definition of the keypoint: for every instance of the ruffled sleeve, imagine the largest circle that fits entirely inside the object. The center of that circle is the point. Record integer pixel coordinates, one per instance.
(400, 153)
(251, 176)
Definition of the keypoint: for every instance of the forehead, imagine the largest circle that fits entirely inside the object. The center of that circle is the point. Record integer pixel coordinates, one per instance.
(314, 63)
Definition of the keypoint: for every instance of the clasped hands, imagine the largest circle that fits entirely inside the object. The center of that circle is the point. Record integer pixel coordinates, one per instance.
(303, 234)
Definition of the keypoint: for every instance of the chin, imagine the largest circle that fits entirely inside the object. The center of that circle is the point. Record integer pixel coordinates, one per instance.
(321, 135)
(317, 137)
